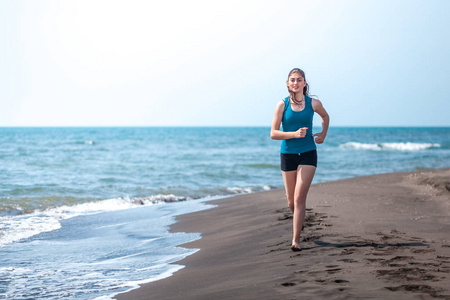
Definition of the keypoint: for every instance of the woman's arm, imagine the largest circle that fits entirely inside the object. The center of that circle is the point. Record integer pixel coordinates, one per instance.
(276, 133)
(318, 108)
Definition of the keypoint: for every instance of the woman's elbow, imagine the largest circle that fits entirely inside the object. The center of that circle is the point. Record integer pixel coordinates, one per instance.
(272, 135)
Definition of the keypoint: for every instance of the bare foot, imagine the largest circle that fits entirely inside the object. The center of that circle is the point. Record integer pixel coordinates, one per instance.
(296, 248)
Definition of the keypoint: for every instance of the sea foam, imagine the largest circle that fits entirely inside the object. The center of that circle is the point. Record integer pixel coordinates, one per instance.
(389, 146)
(16, 228)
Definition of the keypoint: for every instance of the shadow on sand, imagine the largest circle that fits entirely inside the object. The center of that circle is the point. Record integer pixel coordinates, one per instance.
(321, 244)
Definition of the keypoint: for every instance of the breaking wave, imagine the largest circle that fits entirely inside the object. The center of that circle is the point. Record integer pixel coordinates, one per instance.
(389, 146)
(15, 228)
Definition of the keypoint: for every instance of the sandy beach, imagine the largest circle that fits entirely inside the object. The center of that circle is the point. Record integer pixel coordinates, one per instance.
(373, 237)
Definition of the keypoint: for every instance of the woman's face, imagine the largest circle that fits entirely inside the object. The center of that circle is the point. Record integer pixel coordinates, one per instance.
(296, 82)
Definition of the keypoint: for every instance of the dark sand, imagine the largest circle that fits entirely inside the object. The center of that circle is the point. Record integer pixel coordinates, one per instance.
(375, 237)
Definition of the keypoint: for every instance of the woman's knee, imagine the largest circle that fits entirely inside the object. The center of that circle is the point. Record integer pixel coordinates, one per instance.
(300, 201)
(290, 202)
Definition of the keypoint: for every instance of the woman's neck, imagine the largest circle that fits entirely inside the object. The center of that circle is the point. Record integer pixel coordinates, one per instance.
(299, 97)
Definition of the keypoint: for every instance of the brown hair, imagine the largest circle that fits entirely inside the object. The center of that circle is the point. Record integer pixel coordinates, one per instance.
(305, 89)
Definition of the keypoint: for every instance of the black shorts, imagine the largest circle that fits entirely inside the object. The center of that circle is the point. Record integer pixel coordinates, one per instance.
(290, 162)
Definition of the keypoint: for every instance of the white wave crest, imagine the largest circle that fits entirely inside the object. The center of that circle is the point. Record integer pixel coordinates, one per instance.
(238, 190)
(248, 190)
(266, 188)
(15, 228)
(389, 146)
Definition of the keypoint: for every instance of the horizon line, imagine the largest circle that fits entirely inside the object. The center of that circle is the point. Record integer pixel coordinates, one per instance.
(214, 126)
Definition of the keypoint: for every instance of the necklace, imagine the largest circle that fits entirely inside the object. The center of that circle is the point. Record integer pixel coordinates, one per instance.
(299, 103)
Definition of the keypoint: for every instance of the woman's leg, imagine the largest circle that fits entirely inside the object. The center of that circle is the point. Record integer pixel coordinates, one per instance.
(290, 179)
(305, 174)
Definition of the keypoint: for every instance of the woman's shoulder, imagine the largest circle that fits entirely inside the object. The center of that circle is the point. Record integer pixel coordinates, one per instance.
(283, 102)
(282, 105)
(315, 103)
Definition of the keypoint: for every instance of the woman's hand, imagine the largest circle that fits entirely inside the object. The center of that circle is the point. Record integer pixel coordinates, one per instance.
(300, 133)
(320, 137)
(318, 108)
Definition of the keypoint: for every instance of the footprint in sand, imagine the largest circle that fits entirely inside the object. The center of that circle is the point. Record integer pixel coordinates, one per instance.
(288, 284)
(341, 281)
(334, 270)
(418, 288)
(348, 260)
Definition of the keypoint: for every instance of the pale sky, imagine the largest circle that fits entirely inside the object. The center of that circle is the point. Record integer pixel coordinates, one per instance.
(222, 63)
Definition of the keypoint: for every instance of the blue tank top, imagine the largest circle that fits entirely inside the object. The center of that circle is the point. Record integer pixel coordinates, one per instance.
(293, 121)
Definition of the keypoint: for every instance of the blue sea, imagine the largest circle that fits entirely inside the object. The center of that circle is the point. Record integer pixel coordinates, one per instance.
(85, 213)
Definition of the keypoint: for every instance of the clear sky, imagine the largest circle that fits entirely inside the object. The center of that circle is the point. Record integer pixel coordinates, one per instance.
(222, 63)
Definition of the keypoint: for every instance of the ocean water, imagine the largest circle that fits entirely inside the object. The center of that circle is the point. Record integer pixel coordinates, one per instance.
(85, 212)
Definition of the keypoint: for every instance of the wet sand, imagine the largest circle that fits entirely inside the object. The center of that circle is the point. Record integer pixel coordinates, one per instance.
(374, 237)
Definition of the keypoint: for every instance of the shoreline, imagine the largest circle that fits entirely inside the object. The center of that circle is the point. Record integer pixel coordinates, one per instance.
(378, 236)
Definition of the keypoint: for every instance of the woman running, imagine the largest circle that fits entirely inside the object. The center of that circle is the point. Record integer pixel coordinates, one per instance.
(298, 148)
